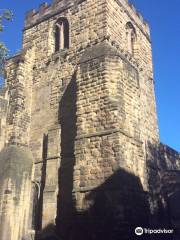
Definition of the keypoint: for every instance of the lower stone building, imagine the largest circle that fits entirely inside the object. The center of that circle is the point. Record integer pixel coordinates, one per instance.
(80, 155)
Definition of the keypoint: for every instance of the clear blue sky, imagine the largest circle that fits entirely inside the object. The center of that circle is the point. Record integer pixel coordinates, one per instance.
(164, 19)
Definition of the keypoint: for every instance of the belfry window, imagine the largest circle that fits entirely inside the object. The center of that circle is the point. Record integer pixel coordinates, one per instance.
(61, 34)
(131, 37)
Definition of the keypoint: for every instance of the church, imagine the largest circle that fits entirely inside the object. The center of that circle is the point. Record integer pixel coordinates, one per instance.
(80, 153)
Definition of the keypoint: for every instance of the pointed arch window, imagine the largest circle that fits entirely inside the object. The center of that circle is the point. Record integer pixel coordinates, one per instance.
(131, 37)
(61, 34)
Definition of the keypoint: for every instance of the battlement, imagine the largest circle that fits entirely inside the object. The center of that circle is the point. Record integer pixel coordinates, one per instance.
(131, 10)
(47, 10)
(33, 15)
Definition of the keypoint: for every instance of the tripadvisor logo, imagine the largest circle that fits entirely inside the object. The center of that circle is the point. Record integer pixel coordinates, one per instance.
(140, 231)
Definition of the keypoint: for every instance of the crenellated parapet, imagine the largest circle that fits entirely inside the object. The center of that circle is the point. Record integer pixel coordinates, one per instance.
(46, 11)
(34, 15)
(134, 14)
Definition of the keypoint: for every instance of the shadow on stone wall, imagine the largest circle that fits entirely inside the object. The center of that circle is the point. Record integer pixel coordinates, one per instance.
(37, 210)
(170, 192)
(164, 184)
(65, 203)
(67, 118)
(116, 207)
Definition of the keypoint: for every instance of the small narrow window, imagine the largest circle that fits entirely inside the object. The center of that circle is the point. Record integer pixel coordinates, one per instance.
(35, 205)
(61, 34)
(131, 37)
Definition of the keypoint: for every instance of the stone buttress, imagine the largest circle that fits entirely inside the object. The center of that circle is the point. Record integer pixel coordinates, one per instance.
(80, 98)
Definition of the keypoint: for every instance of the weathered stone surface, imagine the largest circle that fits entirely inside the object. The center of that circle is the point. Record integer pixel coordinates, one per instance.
(88, 114)
(15, 189)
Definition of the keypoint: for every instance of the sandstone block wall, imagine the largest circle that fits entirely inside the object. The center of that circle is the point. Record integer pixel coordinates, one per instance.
(168, 158)
(80, 110)
(88, 115)
(15, 193)
(119, 13)
(169, 166)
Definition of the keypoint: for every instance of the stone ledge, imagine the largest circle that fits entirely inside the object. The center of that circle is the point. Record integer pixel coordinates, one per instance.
(95, 188)
(107, 132)
(105, 49)
(53, 158)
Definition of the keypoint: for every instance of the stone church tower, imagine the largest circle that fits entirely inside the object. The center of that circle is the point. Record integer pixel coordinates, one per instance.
(80, 152)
